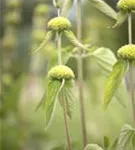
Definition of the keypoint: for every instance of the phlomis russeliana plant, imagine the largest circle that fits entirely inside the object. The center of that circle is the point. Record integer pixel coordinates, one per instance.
(61, 81)
(125, 63)
(60, 25)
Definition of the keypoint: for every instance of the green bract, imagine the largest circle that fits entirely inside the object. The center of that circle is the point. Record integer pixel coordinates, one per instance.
(127, 52)
(126, 5)
(61, 72)
(59, 24)
(41, 9)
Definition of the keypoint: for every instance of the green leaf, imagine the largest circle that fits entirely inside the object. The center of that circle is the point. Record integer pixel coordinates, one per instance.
(57, 3)
(114, 81)
(66, 95)
(105, 8)
(93, 147)
(133, 141)
(121, 17)
(54, 87)
(105, 59)
(67, 4)
(48, 36)
(114, 144)
(72, 38)
(125, 138)
(106, 142)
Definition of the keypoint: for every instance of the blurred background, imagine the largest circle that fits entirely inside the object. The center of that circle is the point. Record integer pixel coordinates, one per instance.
(23, 77)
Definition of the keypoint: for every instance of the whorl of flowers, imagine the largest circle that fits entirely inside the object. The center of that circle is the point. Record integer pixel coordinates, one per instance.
(61, 72)
(126, 5)
(127, 52)
(59, 24)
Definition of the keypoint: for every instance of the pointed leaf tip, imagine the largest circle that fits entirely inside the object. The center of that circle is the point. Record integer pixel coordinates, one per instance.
(114, 81)
(105, 8)
(48, 36)
(54, 87)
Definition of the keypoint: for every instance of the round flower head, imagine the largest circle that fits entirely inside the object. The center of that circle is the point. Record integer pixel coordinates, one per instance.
(59, 24)
(61, 72)
(41, 9)
(127, 52)
(126, 5)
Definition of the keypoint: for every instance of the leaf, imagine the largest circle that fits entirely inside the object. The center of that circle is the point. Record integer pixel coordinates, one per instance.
(114, 81)
(72, 38)
(48, 36)
(54, 87)
(93, 147)
(105, 59)
(121, 17)
(105, 8)
(66, 95)
(114, 144)
(125, 138)
(133, 141)
(67, 4)
(57, 3)
(106, 142)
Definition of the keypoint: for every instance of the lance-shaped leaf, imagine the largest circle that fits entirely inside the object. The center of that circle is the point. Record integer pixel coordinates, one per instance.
(54, 87)
(114, 81)
(105, 8)
(125, 138)
(57, 3)
(121, 17)
(133, 142)
(105, 59)
(48, 36)
(66, 96)
(93, 147)
(72, 38)
(106, 142)
(67, 4)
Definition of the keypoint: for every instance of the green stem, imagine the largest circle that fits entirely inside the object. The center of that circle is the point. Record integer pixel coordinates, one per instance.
(130, 28)
(80, 73)
(132, 89)
(59, 49)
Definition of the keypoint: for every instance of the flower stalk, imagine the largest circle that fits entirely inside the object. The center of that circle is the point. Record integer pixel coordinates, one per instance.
(132, 88)
(80, 74)
(59, 49)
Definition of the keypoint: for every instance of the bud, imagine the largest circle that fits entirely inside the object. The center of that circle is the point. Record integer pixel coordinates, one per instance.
(59, 24)
(41, 9)
(126, 5)
(127, 52)
(61, 72)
